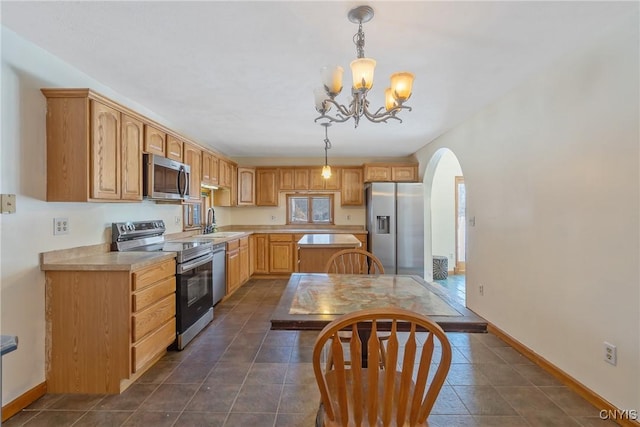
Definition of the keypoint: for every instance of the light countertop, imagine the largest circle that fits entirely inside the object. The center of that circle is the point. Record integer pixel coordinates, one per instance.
(329, 241)
(108, 261)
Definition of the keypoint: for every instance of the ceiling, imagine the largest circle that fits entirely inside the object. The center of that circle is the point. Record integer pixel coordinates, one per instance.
(239, 76)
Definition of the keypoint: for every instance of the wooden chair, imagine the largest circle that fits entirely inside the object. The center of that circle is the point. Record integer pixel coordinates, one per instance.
(357, 396)
(354, 261)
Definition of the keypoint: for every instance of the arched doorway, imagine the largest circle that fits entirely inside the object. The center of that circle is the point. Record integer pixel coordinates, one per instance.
(445, 223)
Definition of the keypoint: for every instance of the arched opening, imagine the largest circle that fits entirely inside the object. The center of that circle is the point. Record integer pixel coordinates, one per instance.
(445, 223)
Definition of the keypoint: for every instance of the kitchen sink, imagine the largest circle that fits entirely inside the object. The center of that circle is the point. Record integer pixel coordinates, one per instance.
(223, 234)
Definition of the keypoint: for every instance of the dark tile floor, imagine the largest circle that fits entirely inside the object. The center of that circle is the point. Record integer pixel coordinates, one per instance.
(239, 373)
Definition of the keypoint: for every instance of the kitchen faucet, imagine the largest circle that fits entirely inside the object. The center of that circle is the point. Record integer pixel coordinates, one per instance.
(211, 221)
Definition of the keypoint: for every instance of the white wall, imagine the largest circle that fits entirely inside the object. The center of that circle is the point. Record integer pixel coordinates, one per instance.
(552, 179)
(25, 234)
(443, 207)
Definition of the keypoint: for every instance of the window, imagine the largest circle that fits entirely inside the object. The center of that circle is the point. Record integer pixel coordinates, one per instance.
(310, 209)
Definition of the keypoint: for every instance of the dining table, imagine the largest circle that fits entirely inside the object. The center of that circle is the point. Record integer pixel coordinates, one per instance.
(311, 301)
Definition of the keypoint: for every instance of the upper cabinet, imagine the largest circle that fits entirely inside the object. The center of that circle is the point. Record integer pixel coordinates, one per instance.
(209, 168)
(266, 187)
(246, 186)
(193, 157)
(294, 179)
(391, 172)
(352, 192)
(154, 140)
(174, 148)
(318, 182)
(225, 174)
(93, 148)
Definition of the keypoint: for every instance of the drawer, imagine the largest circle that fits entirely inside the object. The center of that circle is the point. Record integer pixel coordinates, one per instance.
(153, 293)
(153, 345)
(153, 273)
(152, 317)
(233, 245)
(280, 237)
(244, 241)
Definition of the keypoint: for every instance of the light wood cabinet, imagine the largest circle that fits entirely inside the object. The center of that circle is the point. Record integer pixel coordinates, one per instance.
(317, 182)
(246, 186)
(233, 266)
(105, 152)
(266, 187)
(92, 148)
(244, 260)
(352, 192)
(106, 328)
(407, 173)
(391, 172)
(260, 253)
(174, 148)
(294, 179)
(131, 158)
(209, 168)
(281, 253)
(225, 173)
(154, 140)
(193, 157)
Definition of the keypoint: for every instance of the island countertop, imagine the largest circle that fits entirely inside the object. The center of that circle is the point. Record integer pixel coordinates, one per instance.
(329, 241)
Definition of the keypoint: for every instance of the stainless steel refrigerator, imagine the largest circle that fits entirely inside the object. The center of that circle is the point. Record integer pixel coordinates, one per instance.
(395, 223)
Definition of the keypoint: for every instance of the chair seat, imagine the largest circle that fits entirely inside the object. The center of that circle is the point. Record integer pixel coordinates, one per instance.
(332, 384)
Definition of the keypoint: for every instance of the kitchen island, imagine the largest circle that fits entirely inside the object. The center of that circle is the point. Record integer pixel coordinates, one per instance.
(314, 250)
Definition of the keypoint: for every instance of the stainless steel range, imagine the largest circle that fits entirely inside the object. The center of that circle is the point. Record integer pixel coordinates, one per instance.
(194, 272)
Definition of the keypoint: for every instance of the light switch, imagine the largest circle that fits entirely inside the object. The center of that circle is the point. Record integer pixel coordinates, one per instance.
(8, 202)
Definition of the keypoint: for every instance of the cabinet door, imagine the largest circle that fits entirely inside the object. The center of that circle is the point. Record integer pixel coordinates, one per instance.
(333, 182)
(246, 186)
(281, 254)
(261, 253)
(287, 179)
(316, 181)
(224, 173)
(266, 187)
(233, 270)
(154, 140)
(174, 148)
(105, 152)
(407, 173)
(244, 263)
(131, 155)
(379, 173)
(193, 158)
(352, 193)
(233, 188)
(301, 179)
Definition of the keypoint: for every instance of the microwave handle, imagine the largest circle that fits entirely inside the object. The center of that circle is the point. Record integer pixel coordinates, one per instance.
(182, 175)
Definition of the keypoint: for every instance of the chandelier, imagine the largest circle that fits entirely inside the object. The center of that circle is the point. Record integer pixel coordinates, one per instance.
(326, 169)
(362, 72)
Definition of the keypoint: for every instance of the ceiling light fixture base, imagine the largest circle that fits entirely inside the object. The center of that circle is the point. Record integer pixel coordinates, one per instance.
(360, 14)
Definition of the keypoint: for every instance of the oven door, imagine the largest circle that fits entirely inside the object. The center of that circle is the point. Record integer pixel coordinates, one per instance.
(194, 291)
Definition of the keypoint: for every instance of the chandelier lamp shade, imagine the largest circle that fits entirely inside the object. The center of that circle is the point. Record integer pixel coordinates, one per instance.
(362, 70)
(326, 169)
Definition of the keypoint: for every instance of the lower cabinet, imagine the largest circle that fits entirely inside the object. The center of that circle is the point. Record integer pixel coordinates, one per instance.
(281, 253)
(106, 328)
(237, 263)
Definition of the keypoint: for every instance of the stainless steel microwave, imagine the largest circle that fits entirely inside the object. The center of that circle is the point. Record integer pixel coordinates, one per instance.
(165, 179)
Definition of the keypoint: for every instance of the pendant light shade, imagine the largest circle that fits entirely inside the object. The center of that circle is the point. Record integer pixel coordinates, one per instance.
(401, 85)
(362, 71)
(332, 79)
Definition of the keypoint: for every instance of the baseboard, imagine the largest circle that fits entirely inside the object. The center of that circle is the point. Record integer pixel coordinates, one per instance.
(575, 385)
(24, 400)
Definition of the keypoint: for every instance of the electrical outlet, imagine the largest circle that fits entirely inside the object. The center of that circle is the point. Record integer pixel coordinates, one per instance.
(481, 290)
(610, 353)
(273, 217)
(177, 220)
(60, 226)
(348, 217)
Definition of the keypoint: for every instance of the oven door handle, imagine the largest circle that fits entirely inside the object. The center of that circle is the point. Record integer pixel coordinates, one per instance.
(181, 268)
